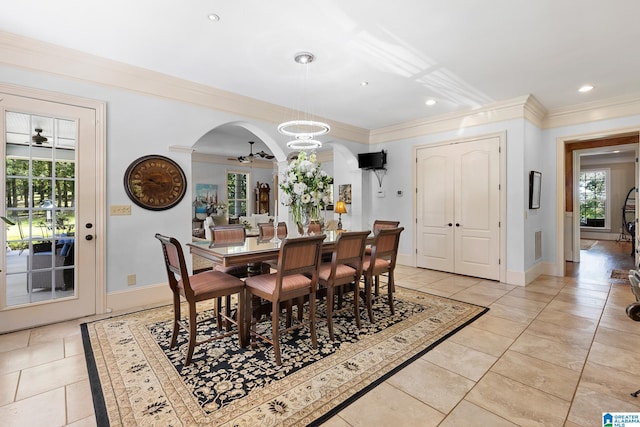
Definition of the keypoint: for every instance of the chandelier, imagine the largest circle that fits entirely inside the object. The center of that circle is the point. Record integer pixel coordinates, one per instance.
(303, 131)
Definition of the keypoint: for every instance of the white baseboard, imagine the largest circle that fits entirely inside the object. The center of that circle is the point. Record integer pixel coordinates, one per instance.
(520, 278)
(140, 297)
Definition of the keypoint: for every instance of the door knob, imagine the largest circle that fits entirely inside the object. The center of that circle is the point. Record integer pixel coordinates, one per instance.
(457, 224)
(450, 225)
(88, 237)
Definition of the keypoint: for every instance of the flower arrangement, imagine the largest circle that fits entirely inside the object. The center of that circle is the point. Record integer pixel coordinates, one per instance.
(306, 187)
(220, 208)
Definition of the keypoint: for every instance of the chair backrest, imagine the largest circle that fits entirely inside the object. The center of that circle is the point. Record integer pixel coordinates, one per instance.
(379, 224)
(300, 255)
(314, 228)
(349, 249)
(175, 264)
(228, 234)
(385, 246)
(265, 230)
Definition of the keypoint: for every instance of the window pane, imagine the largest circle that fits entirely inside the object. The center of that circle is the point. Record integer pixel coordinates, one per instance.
(593, 198)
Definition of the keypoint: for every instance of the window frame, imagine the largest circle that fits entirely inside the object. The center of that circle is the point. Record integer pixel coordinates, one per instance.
(247, 200)
(607, 195)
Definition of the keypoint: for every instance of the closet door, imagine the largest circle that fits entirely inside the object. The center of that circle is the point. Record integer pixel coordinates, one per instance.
(459, 207)
(435, 214)
(477, 209)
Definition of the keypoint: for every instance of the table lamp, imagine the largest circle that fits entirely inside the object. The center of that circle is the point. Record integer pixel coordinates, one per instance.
(340, 208)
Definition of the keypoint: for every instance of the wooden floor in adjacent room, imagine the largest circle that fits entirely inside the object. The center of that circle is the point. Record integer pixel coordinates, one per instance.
(601, 259)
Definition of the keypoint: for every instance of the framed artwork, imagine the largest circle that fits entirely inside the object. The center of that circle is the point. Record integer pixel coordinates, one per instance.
(345, 193)
(535, 181)
(206, 196)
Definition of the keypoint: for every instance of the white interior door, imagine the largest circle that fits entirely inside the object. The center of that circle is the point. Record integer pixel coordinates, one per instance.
(435, 208)
(49, 212)
(477, 209)
(458, 208)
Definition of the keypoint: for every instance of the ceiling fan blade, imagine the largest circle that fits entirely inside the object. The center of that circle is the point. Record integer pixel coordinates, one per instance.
(265, 155)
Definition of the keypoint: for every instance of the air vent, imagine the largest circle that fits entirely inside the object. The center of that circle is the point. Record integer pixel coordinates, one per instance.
(538, 245)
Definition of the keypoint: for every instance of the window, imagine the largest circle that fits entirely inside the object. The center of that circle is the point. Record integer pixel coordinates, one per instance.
(594, 200)
(237, 193)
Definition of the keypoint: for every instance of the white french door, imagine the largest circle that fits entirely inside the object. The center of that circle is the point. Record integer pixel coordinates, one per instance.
(458, 208)
(48, 213)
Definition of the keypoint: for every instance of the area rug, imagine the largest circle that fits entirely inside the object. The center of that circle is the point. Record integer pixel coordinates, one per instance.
(587, 244)
(620, 276)
(136, 380)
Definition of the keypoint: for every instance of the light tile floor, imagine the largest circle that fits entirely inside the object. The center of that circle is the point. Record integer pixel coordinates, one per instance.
(557, 353)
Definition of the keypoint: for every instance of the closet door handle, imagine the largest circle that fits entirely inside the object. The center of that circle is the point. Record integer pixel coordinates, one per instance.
(450, 225)
(457, 224)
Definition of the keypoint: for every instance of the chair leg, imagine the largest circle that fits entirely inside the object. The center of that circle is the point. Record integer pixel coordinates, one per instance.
(390, 289)
(300, 308)
(289, 311)
(227, 311)
(356, 304)
(367, 295)
(176, 319)
(275, 318)
(330, 299)
(255, 303)
(218, 309)
(312, 319)
(192, 332)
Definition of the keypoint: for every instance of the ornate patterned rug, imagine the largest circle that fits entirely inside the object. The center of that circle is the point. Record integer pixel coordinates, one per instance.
(136, 379)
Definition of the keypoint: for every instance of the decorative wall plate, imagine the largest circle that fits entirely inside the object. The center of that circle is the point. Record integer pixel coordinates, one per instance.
(155, 182)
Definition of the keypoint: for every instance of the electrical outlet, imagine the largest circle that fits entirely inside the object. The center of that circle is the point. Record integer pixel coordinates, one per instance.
(131, 279)
(120, 210)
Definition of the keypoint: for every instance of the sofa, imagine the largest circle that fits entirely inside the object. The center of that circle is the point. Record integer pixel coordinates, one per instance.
(41, 263)
(252, 221)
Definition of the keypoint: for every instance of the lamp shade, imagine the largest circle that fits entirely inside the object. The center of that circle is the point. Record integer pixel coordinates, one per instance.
(340, 207)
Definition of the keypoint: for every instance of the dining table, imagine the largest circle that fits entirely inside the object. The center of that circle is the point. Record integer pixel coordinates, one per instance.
(252, 252)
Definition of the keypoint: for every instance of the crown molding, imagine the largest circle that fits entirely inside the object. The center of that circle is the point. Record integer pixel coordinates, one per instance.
(525, 106)
(41, 56)
(623, 106)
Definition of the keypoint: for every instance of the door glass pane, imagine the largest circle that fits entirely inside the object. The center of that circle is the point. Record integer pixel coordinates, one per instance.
(39, 208)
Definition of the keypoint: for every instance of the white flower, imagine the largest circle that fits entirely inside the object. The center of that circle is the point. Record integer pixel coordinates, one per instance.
(305, 198)
(321, 185)
(299, 187)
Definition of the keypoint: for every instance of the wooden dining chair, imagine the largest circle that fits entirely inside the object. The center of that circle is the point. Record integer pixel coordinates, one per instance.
(345, 268)
(296, 277)
(382, 260)
(379, 224)
(266, 229)
(195, 288)
(314, 229)
(227, 234)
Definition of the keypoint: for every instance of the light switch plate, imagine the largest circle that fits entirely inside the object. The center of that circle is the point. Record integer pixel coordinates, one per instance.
(115, 210)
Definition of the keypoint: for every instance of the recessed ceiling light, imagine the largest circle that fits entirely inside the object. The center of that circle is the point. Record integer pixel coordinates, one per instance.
(213, 17)
(430, 102)
(585, 88)
(363, 83)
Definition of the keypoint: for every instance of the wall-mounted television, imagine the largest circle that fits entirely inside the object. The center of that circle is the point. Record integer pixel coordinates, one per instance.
(375, 160)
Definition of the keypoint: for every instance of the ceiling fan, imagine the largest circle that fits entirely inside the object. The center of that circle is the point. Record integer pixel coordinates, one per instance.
(37, 138)
(261, 154)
